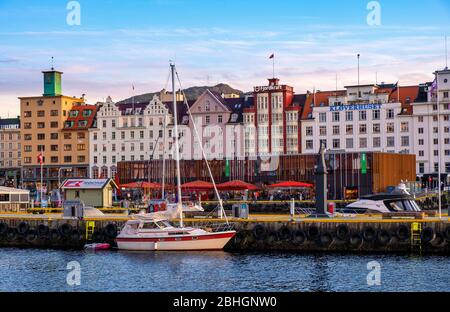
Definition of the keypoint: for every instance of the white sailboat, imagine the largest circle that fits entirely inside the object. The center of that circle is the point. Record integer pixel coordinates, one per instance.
(154, 231)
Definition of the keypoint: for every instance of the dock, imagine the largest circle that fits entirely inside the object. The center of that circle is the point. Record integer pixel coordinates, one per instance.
(260, 232)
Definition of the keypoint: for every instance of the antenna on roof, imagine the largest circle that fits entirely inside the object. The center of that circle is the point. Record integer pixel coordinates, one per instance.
(359, 92)
(52, 63)
(446, 53)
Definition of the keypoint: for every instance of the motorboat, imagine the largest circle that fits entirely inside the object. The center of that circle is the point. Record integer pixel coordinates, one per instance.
(400, 200)
(151, 233)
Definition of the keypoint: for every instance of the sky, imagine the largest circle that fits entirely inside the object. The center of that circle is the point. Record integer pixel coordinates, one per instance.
(119, 43)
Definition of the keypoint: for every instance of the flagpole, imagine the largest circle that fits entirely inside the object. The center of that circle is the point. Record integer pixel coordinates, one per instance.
(273, 65)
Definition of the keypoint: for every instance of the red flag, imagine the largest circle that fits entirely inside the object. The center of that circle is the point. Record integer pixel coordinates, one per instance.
(272, 56)
(40, 159)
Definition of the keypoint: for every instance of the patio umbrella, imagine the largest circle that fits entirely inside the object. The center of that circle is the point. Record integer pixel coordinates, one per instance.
(236, 185)
(291, 185)
(141, 185)
(197, 186)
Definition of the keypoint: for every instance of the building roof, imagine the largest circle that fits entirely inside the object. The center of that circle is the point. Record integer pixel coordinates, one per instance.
(9, 123)
(91, 184)
(321, 98)
(408, 95)
(80, 118)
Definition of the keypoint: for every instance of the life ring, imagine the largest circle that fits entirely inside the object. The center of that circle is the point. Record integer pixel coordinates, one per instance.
(383, 237)
(299, 237)
(402, 232)
(23, 228)
(356, 240)
(65, 229)
(342, 232)
(326, 239)
(43, 230)
(428, 234)
(284, 233)
(447, 233)
(54, 235)
(259, 232)
(313, 232)
(369, 234)
(110, 230)
(11, 234)
(3, 228)
(31, 236)
(438, 241)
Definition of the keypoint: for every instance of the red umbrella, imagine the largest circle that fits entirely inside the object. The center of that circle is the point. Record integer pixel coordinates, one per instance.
(291, 184)
(197, 186)
(236, 185)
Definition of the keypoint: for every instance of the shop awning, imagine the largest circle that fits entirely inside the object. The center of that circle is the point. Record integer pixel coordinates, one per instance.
(236, 185)
(291, 184)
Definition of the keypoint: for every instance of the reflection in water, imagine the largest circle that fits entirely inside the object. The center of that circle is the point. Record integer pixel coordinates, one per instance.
(45, 270)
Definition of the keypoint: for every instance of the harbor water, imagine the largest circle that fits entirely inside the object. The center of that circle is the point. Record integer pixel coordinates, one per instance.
(47, 270)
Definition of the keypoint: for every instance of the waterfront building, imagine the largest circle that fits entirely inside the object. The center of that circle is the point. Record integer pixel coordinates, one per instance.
(272, 123)
(10, 152)
(42, 124)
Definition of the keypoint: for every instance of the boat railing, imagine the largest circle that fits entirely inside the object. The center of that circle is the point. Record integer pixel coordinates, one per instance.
(215, 227)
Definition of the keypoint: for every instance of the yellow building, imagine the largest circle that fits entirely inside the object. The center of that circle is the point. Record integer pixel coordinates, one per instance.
(43, 119)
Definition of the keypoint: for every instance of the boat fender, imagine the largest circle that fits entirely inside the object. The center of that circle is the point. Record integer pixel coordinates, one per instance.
(98, 237)
(313, 232)
(369, 234)
(239, 238)
(299, 237)
(110, 230)
(23, 228)
(54, 235)
(428, 234)
(65, 229)
(31, 236)
(326, 239)
(272, 237)
(356, 240)
(402, 232)
(447, 233)
(383, 237)
(3, 228)
(284, 233)
(43, 230)
(259, 232)
(438, 241)
(11, 234)
(76, 235)
(342, 232)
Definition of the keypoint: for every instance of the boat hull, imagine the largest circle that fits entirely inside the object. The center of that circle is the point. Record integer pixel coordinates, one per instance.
(210, 241)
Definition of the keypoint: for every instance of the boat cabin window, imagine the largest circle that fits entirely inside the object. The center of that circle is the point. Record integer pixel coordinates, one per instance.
(164, 224)
(396, 206)
(149, 226)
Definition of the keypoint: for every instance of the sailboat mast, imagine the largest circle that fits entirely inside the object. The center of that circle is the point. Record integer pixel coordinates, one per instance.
(163, 195)
(177, 147)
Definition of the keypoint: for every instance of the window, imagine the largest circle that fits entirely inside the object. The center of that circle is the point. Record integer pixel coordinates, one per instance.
(81, 135)
(122, 135)
(349, 129)
(82, 123)
(363, 142)
(95, 159)
(421, 153)
(67, 159)
(309, 131)
(41, 136)
(322, 130)
(336, 143)
(41, 148)
(420, 119)
(349, 143)
(54, 124)
(376, 128)
(336, 130)
(348, 116)
(376, 142)
(421, 142)
(41, 125)
(81, 158)
(207, 120)
(132, 135)
(54, 136)
(436, 167)
(447, 167)
(104, 123)
(141, 134)
(67, 135)
(81, 147)
(404, 127)
(390, 127)
(67, 147)
(376, 114)
(54, 159)
(41, 113)
(446, 95)
(390, 114)
(113, 123)
(323, 142)
(322, 117)
(405, 140)
(362, 129)
(87, 112)
(421, 168)
(219, 119)
(362, 115)
(390, 141)
(420, 130)
(54, 148)
(335, 116)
